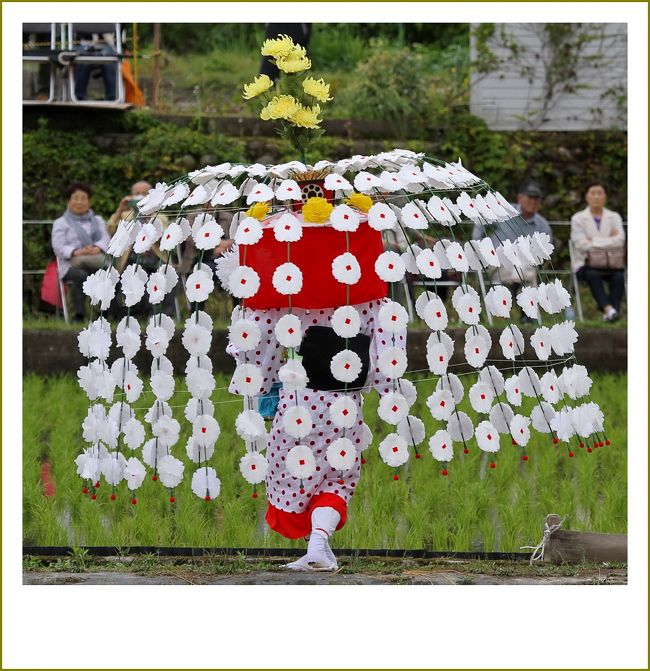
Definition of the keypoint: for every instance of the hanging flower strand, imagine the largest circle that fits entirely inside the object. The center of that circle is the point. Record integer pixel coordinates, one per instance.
(297, 106)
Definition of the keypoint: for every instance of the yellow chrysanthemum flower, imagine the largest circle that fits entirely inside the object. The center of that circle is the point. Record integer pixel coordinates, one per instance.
(306, 117)
(316, 88)
(280, 107)
(360, 201)
(280, 47)
(258, 211)
(292, 64)
(317, 210)
(259, 85)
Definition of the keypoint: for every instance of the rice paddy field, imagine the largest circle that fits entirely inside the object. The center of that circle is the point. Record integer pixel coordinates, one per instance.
(473, 508)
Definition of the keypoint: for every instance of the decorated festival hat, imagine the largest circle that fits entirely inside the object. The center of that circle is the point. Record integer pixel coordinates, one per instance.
(334, 235)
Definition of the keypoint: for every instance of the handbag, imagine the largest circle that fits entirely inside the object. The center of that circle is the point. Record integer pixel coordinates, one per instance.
(606, 259)
(50, 292)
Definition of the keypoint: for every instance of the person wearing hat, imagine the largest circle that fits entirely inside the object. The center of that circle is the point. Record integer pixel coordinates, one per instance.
(529, 200)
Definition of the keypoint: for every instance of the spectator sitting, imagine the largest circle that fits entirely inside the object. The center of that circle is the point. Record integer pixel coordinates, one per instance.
(150, 260)
(79, 240)
(599, 251)
(95, 45)
(529, 200)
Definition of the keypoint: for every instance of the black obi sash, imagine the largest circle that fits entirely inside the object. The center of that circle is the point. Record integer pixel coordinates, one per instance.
(318, 347)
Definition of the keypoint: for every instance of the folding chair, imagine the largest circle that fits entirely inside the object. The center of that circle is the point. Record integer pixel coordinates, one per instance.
(574, 282)
(73, 30)
(36, 38)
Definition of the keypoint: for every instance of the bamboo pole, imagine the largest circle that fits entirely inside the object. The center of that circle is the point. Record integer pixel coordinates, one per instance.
(155, 72)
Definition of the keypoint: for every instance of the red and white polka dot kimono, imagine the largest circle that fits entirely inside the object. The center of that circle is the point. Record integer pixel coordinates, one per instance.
(328, 416)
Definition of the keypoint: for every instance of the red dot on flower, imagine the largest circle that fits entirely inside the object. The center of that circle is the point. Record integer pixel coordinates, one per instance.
(396, 477)
(113, 497)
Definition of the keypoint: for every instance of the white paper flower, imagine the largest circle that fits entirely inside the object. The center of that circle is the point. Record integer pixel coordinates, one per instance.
(134, 473)
(170, 471)
(346, 268)
(563, 425)
(440, 211)
(197, 340)
(196, 407)
(541, 245)
(487, 437)
(441, 446)
(481, 397)
(428, 264)
(208, 235)
(243, 282)
(288, 190)
(113, 467)
(452, 383)
(250, 425)
(341, 454)
(244, 334)
(563, 338)
(457, 258)
(435, 313)
(225, 194)
(381, 217)
(253, 467)
(175, 194)
(476, 351)
(541, 417)
(410, 256)
(441, 404)
(394, 450)
(287, 279)
(93, 422)
(288, 331)
(414, 217)
(205, 483)
(201, 361)
(247, 379)
(205, 430)
(493, 378)
(293, 375)
(346, 321)
(498, 301)
(162, 386)
(408, 390)
(344, 218)
(392, 362)
(343, 412)
(460, 426)
(541, 342)
(200, 194)
(259, 193)
(437, 357)
(157, 410)
(199, 285)
(389, 266)
(393, 408)
(156, 287)
(412, 429)
(196, 453)
(133, 433)
(297, 421)
(488, 253)
(200, 383)
(167, 430)
(469, 308)
(300, 462)
(500, 416)
(366, 182)
(123, 238)
(513, 390)
(346, 366)
(152, 201)
(133, 284)
(99, 287)
(287, 228)
(529, 383)
(474, 261)
(519, 430)
(392, 317)
(527, 301)
(95, 342)
(146, 237)
(576, 381)
(512, 342)
(550, 387)
(334, 182)
(157, 341)
(249, 232)
(468, 207)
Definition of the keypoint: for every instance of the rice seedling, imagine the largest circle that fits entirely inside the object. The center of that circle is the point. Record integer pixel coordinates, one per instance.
(474, 507)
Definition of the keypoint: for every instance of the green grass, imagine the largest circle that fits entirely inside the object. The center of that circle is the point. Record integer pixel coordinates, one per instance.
(470, 509)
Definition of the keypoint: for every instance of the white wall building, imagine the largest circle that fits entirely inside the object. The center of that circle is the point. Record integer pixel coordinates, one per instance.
(556, 77)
